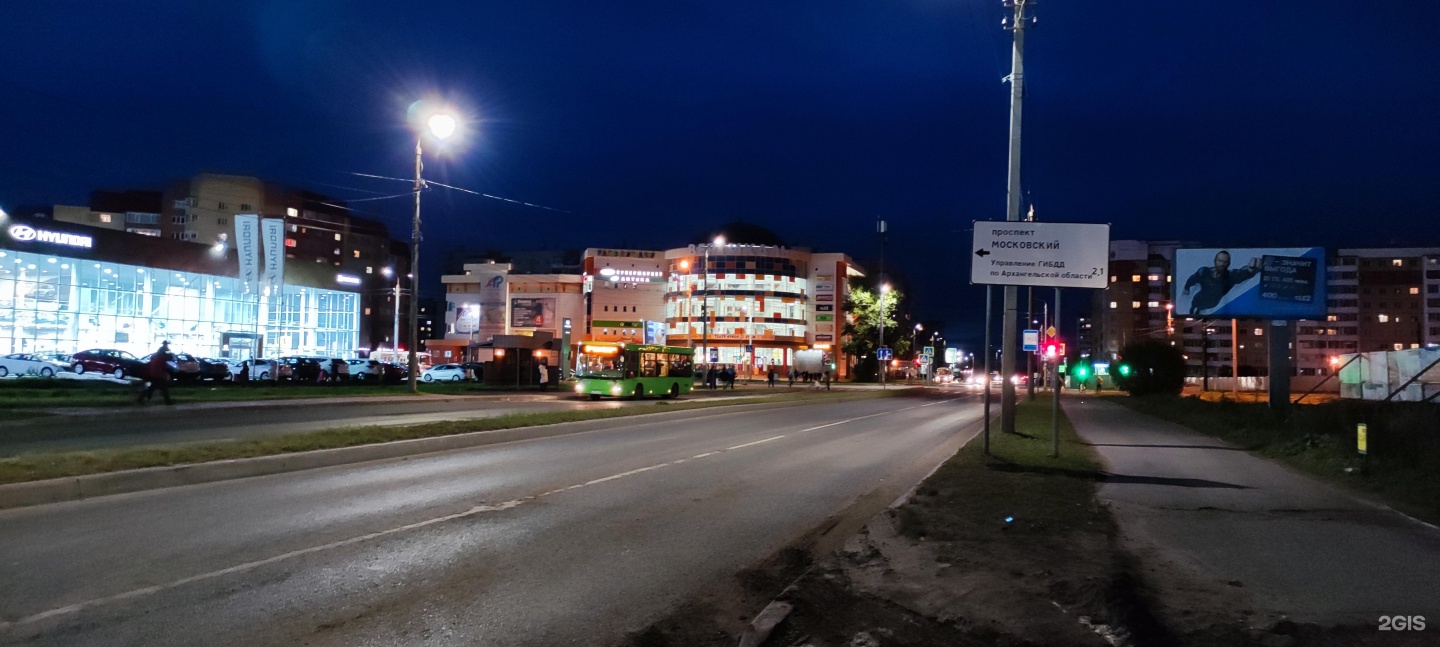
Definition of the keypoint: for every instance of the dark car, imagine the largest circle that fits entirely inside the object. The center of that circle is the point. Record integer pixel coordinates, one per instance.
(388, 373)
(306, 370)
(115, 363)
(214, 370)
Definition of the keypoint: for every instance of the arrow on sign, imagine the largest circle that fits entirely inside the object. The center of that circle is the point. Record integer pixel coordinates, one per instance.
(982, 253)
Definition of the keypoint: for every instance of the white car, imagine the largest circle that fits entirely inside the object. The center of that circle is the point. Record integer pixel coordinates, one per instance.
(451, 372)
(26, 364)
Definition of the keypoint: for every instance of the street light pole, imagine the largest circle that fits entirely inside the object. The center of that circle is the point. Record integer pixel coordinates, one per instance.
(880, 325)
(705, 307)
(440, 125)
(1012, 214)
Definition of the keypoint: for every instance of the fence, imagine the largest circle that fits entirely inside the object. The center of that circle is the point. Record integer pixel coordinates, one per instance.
(1405, 375)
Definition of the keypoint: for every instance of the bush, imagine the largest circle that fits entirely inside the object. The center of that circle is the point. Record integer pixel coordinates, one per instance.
(1154, 368)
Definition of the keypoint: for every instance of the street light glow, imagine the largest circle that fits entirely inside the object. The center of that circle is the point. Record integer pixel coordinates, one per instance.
(719, 241)
(441, 125)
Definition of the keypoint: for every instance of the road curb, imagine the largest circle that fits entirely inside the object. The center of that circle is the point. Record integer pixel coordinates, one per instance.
(74, 488)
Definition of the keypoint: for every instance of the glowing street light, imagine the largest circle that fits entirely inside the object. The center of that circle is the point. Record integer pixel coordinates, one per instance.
(439, 125)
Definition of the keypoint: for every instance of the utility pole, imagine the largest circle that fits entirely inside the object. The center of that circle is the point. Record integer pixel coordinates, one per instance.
(1012, 212)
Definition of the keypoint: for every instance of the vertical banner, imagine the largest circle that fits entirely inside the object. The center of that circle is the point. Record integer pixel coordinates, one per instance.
(247, 246)
(273, 234)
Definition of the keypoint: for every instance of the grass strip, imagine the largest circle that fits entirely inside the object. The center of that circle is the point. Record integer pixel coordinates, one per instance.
(40, 466)
(1319, 439)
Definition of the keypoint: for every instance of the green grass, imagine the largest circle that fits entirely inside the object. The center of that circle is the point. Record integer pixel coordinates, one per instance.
(970, 496)
(33, 467)
(1404, 442)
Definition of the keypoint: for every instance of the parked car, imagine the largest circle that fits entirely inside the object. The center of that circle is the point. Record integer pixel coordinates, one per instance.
(115, 363)
(26, 364)
(264, 370)
(216, 370)
(389, 373)
(61, 360)
(183, 366)
(477, 370)
(444, 372)
(305, 370)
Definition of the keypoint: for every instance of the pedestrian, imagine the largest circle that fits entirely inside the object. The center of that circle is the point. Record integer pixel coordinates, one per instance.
(158, 372)
(710, 377)
(730, 377)
(770, 377)
(544, 375)
(791, 374)
(827, 380)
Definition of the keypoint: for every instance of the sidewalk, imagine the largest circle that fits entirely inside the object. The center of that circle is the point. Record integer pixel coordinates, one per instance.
(1219, 533)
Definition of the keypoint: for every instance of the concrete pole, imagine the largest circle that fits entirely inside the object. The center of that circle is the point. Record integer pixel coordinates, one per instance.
(1012, 214)
(414, 276)
(986, 379)
(1055, 389)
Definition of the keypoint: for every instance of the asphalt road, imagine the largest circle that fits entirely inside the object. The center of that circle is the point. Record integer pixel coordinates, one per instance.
(1291, 544)
(570, 540)
(213, 421)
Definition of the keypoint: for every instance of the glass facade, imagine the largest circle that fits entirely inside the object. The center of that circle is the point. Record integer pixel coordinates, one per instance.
(67, 304)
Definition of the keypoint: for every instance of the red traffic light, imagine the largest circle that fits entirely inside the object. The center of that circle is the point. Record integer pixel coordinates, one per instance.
(1052, 351)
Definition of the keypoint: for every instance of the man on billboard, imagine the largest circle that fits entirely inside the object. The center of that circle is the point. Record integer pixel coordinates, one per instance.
(1215, 281)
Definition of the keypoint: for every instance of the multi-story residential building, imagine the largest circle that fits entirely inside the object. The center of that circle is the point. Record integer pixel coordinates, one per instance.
(1378, 299)
(133, 211)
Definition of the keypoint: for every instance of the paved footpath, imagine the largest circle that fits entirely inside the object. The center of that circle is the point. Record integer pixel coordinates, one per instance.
(1197, 511)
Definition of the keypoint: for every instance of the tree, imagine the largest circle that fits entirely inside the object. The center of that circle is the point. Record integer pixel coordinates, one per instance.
(1150, 366)
(862, 327)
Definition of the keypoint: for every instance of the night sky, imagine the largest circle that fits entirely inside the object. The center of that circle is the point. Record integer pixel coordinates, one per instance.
(644, 123)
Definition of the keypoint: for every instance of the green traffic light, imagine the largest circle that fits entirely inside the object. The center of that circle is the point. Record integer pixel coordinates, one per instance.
(1125, 370)
(1082, 372)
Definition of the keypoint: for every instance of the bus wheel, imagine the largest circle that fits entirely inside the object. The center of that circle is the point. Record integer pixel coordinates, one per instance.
(674, 391)
(639, 391)
(594, 396)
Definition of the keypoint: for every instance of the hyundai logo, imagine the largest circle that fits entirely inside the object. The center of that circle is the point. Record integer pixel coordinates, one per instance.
(22, 233)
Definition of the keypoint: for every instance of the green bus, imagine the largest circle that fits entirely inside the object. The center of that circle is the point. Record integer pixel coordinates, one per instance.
(633, 370)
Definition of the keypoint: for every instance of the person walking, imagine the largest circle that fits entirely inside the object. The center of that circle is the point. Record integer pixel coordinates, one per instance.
(544, 375)
(158, 372)
(791, 374)
(710, 377)
(827, 380)
(770, 377)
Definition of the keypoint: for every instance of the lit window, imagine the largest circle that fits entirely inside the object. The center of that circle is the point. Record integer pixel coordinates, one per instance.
(292, 212)
(1259, 332)
(1135, 304)
(1114, 278)
(1384, 318)
(1331, 318)
(367, 312)
(1414, 290)
(1414, 345)
(1134, 278)
(1113, 304)
(1399, 346)
(337, 236)
(1398, 263)
(369, 269)
(1168, 278)
(1154, 304)
(337, 251)
(104, 217)
(1154, 277)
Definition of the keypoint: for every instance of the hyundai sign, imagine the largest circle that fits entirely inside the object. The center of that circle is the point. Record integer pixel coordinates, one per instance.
(28, 234)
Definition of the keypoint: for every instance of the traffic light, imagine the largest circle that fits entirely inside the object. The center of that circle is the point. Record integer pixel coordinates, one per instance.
(1082, 371)
(1124, 370)
(1052, 351)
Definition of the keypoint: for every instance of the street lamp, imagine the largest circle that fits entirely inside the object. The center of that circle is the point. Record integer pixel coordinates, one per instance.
(880, 324)
(439, 125)
(705, 307)
(684, 276)
(395, 336)
(915, 341)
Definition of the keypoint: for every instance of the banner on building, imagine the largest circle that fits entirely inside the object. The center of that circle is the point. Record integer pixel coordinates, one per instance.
(272, 232)
(247, 247)
(1264, 283)
(532, 313)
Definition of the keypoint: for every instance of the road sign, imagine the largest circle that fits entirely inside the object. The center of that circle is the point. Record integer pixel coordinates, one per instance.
(1050, 332)
(1045, 254)
(929, 351)
(1031, 341)
(886, 354)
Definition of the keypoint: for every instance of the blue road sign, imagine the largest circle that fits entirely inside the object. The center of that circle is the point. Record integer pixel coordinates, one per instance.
(1031, 341)
(886, 354)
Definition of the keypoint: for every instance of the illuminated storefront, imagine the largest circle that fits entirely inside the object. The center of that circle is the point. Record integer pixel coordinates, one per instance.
(69, 288)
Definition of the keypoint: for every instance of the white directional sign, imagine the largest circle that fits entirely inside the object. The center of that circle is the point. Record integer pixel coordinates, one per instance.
(1044, 254)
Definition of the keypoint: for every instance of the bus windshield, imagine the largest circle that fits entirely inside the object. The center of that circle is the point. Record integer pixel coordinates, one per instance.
(600, 362)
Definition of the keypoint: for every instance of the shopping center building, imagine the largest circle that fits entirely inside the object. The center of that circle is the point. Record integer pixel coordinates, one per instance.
(751, 306)
(69, 287)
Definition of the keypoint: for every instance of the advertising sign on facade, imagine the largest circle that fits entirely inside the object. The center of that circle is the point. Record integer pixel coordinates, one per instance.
(467, 318)
(28, 234)
(532, 313)
(247, 246)
(824, 287)
(825, 307)
(273, 235)
(824, 297)
(824, 338)
(1266, 283)
(829, 317)
(654, 332)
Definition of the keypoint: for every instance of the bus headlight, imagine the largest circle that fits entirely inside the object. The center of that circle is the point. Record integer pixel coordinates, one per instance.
(615, 389)
(580, 387)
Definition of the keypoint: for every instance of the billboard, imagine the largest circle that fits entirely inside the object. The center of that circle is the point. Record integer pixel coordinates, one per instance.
(1262, 283)
(532, 313)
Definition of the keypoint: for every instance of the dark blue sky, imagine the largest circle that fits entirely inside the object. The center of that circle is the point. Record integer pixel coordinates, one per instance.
(1223, 122)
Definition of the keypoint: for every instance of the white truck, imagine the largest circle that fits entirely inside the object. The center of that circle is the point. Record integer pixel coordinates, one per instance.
(809, 361)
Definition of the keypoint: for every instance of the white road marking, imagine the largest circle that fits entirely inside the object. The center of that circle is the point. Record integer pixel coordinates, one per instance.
(479, 509)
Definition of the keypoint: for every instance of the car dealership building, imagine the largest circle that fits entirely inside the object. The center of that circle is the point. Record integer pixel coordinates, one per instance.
(70, 287)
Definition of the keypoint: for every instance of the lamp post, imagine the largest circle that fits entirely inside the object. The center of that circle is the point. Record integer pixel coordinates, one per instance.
(915, 340)
(689, 330)
(440, 126)
(880, 325)
(705, 307)
(395, 336)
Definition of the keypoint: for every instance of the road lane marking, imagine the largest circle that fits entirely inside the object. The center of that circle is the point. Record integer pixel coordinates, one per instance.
(756, 442)
(475, 510)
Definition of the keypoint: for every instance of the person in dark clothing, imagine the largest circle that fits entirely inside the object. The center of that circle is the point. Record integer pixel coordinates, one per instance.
(791, 374)
(158, 372)
(827, 380)
(1214, 282)
(710, 377)
(770, 377)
